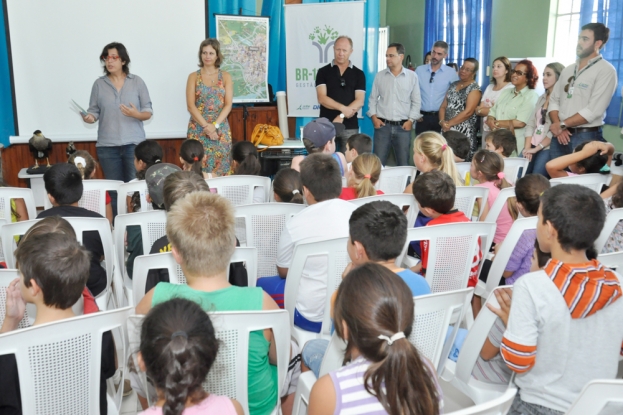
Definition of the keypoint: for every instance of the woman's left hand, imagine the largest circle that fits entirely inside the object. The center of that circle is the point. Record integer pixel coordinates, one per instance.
(445, 126)
(130, 111)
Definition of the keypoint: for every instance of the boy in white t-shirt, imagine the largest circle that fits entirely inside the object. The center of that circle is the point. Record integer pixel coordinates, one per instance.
(325, 218)
(565, 326)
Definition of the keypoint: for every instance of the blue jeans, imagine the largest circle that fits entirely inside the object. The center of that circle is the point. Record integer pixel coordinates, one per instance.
(312, 354)
(117, 164)
(538, 162)
(557, 149)
(392, 136)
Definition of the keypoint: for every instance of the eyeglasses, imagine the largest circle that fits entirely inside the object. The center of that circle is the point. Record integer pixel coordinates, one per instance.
(569, 83)
(432, 77)
(342, 82)
(463, 68)
(114, 58)
(519, 73)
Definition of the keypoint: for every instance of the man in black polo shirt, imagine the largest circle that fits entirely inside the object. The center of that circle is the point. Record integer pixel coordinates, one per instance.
(341, 89)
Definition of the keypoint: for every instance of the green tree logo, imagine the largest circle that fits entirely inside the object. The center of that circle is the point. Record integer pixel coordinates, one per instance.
(323, 39)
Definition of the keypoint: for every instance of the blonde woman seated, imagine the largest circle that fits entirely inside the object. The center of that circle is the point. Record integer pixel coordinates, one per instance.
(362, 176)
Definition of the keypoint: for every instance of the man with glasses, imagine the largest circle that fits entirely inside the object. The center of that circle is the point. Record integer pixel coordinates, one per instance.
(435, 79)
(394, 105)
(582, 94)
(341, 89)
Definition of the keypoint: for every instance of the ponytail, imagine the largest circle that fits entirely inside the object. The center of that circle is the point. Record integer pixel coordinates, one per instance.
(439, 154)
(245, 154)
(192, 152)
(288, 186)
(365, 172)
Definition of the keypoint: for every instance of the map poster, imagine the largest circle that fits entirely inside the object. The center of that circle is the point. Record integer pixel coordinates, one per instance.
(244, 44)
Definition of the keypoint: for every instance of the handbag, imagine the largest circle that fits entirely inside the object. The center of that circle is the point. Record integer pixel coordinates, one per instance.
(267, 135)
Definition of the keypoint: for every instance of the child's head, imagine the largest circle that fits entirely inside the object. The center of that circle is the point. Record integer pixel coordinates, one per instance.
(373, 305)
(246, 159)
(570, 216)
(356, 145)
(155, 178)
(84, 162)
(178, 348)
(502, 141)
(617, 197)
(192, 155)
(528, 191)
(200, 228)
(435, 193)
(591, 164)
(364, 173)
(177, 185)
(146, 154)
(319, 136)
(431, 152)
(288, 187)
(321, 177)
(488, 166)
(539, 258)
(459, 143)
(51, 224)
(378, 231)
(63, 183)
(54, 267)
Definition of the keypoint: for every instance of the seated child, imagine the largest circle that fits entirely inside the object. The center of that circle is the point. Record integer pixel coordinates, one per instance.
(146, 154)
(87, 166)
(356, 145)
(319, 137)
(614, 200)
(501, 141)
(64, 186)
(201, 230)
(363, 175)
(288, 187)
(587, 157)
(459, 143)
(18, 207)
(374, 315)
(53, 273)
(565, 324)
(246, 161)
(177, 334)
(193, 157)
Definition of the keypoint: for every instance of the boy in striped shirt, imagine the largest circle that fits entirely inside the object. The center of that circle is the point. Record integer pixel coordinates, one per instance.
(565, 323)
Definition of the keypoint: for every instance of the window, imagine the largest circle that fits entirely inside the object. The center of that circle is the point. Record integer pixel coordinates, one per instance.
(566, 29)
(383, 43)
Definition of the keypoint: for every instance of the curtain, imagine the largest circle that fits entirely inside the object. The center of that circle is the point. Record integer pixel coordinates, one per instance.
(610, 13)
(228, 7)
(7, 124)
(277, 44)
(466, 26)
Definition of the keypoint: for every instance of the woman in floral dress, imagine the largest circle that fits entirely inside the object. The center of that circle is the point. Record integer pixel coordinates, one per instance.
(209, 95)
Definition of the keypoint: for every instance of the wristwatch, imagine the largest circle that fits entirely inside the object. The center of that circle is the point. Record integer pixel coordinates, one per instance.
(563, 126)
(216, 125)
(411, 120)
(342, 115)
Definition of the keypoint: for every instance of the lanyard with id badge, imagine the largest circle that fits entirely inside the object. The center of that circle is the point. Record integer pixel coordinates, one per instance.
(541, 124)
(571, 82)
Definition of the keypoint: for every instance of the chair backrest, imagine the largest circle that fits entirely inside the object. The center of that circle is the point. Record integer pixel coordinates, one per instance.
(433, 315)
(93, 195)
(612, 220)
(497, 406)
(599, 397)
(239, 189)
(333, 358)
(9, 193)
(144, 263)
(466, 196)
(451, 251)
(594, 181)
(229, 373)
(515, 168)
(6, 277)
(394, 179)
(612, 260)
(8, 233)
(127, 190)
(499, 204)
(463, 169)
(59, 363)
(337, 259)
(405, 202)
(260, 226)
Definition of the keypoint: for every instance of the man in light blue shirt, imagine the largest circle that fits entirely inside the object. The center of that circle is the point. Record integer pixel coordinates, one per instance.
(435, 79)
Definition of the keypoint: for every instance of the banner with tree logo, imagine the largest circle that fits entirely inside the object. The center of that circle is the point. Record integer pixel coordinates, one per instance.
(311, 30)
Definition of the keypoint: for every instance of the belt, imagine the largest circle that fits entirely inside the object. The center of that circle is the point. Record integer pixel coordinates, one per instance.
(393, 122)
(430, 112)
(582, 129)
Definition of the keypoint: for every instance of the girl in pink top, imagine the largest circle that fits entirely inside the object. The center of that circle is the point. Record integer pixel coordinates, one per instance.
(178, 348)
(488, 168)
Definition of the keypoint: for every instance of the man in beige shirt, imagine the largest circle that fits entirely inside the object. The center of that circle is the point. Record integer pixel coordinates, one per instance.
(582, 94)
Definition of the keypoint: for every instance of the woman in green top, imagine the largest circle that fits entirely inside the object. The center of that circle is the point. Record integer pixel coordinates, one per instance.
(515, 105)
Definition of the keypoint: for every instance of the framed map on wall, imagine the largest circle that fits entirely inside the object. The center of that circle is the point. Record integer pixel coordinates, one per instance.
(244, 45)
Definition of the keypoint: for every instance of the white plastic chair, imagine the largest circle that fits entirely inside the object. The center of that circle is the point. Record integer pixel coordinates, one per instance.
(599, 397)
(8, 193)
(434, 313)
(512, 166)
(405, 202)
(594, 181)
(394, 179)
(466, 196)
(337, 259)
(463, 169)
(500, 260)
(229, 374)
(93, 195)
(59, 363)
(239, 189)
(499, 204)
(6, 277)
(144, 263)
(498, 406)
(451, 252)
(8, 232)
(260, 226)
(128, 189)
(460, 374)
(612, 260)
(612, 220)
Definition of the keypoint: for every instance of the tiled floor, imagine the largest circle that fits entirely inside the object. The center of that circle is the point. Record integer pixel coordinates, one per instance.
(130, 405)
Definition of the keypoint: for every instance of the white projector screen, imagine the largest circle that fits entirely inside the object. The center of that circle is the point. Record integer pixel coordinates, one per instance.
(55, 48)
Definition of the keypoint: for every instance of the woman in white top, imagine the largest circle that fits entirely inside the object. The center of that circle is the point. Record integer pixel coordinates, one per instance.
(500, 80)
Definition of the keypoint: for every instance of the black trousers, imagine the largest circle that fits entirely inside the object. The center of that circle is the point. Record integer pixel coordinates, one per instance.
(430, 123)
